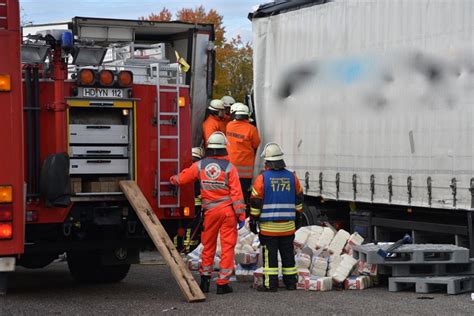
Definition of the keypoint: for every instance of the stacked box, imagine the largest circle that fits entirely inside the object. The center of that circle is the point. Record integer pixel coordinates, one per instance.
(325, 238)
(319, 266)
(319, 284)
(345, 268)
(354, 240)
(76, 185)
(367, 268)
(245, 273)
(303, 260)
(303, 279)
(246, 258)
(338, 242)
(301, 237)
(358, 282)
(92, 187)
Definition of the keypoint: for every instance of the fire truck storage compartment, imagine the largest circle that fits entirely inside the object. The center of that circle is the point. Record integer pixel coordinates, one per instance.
(100, 148)
(98, 134)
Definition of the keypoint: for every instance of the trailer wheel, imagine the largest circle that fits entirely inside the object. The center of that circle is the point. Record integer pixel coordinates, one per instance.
(87, 268)
(311, 215)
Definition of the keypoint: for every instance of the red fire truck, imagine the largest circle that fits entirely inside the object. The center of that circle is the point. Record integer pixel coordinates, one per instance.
(102, 101)
(11, 132)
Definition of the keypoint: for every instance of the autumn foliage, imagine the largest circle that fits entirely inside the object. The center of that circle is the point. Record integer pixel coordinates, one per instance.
(233, 57)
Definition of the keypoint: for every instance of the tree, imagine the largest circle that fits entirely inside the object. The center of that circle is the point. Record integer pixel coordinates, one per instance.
(164, 15)
(199, 15)
(234, 72)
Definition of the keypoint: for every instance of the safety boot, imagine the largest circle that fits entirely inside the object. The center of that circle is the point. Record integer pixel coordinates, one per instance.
(205, 283)
(290, 287)
(224, 289)
(262, 288)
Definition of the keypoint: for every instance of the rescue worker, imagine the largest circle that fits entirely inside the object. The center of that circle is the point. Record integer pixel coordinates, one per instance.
(243, 140)
(276, 201)
(197, 154)
(214, 120)
(228, 101)
(223, 206)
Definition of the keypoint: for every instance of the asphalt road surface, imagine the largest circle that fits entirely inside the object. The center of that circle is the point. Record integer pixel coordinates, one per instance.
(150, 289)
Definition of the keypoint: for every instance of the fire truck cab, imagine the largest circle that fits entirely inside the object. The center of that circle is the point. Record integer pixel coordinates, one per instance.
(103, 101)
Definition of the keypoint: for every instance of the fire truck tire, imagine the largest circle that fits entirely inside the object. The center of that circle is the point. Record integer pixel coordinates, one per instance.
(87, 268)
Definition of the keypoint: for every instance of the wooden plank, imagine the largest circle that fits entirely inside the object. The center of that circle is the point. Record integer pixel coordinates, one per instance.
(163, 243)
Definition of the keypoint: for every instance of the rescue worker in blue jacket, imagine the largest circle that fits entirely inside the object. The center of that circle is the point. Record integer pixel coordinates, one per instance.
(276, 202)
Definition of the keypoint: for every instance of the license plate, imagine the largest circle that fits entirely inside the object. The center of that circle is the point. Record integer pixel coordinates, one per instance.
(102, 93)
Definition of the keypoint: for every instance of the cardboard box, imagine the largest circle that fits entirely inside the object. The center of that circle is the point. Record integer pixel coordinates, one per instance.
(193, 264)
(353, 241)
(358, 282)
(76, 185)
(320, 284)
(258, 278)
(245, 274)
(303, 279)
(91, 186)
(366, 268)
(319, 266)
(245, 258)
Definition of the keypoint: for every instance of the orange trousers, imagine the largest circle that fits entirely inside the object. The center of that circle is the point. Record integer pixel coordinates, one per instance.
(223, 221)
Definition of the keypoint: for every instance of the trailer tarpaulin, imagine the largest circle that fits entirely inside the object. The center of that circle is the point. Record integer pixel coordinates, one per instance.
(372, 101)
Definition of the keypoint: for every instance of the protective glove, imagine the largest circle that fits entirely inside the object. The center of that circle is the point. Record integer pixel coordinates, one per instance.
(298, 220)
(241, 220)
(173, 180)
(253, 225)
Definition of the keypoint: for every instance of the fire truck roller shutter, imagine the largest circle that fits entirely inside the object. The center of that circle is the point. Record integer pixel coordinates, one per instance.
(55, 182)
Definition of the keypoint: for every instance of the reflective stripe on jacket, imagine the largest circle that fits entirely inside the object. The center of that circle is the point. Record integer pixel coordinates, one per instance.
(219, 181)
(279, 201)
(243, 141)
(197, 193)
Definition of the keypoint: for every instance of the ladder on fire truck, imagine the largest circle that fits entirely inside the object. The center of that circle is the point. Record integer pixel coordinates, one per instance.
(173, 74)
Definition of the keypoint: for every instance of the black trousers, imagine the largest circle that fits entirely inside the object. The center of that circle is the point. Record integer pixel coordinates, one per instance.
(271, 245)
(246, 184)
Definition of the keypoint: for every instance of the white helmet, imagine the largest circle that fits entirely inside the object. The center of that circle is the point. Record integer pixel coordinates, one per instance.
(197, 152)
(216, 105)
(228, 100)
(239, 109)
(217, 141)
(272, 152)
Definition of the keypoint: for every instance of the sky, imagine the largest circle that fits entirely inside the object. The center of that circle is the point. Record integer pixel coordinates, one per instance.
(50, 11)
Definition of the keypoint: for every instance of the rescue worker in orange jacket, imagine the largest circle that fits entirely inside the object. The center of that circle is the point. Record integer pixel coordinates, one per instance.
(223, 206)
(228, 101)
(243, 140)
(276, 202)
(214, 120)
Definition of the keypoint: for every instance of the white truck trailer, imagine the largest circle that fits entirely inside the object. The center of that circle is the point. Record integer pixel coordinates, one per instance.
(372, 102)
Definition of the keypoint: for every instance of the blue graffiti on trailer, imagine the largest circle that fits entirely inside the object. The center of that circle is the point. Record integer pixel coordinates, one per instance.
(349, 70)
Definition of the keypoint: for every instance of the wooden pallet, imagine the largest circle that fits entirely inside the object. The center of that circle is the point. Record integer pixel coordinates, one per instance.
(163, 243)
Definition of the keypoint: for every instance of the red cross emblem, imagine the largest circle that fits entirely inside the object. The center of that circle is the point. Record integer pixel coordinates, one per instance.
(213, 171)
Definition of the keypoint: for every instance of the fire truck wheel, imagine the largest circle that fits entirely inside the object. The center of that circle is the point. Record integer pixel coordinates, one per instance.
(87, 268)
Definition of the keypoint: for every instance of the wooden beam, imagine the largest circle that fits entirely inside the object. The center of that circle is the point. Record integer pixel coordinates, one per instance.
(190, 289)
